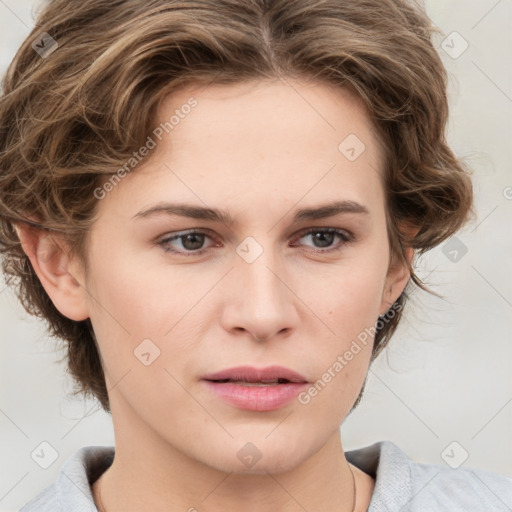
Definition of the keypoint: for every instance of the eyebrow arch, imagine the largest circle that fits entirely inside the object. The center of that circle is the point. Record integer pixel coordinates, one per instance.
(219, 215)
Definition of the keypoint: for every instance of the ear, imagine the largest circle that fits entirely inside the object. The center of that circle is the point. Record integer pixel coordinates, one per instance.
(60, 275)
(398, 273)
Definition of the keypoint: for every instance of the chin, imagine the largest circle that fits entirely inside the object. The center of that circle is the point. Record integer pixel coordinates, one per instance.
(273, 464)
(256, 457)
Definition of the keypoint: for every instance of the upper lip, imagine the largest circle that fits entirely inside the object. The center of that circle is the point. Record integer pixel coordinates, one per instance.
(251, 374)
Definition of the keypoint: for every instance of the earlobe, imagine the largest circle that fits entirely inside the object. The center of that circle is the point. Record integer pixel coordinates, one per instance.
(56, 270)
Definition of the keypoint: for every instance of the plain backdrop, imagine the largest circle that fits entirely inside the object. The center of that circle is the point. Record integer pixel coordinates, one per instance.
(444, 384)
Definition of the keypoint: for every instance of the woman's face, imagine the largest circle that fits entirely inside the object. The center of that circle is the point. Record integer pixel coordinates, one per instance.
(269, 288)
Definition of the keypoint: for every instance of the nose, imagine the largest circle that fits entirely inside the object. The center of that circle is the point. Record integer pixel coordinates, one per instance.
(261, 302)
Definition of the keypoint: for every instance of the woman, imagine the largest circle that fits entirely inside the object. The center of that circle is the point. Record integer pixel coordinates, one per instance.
(218, 206)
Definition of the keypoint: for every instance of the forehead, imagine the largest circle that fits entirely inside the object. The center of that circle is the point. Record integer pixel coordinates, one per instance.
(269, 117)
(257, 142)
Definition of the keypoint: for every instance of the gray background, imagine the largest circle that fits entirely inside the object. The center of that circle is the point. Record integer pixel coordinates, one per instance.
(446, 376)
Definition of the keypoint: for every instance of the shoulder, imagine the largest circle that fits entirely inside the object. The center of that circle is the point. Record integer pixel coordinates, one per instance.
(465, 488)
(45, 501)
(406, 485)
(72, 488)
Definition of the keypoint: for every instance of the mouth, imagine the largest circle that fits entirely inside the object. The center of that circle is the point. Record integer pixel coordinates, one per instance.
(248, 375)
(256, 389)
(249, 383)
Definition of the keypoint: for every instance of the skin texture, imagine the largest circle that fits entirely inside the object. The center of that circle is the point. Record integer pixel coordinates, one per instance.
(260, 151)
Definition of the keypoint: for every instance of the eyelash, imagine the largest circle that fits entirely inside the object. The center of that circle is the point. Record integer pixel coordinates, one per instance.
(345, 236)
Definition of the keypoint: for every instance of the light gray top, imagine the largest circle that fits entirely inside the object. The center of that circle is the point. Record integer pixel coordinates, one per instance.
(401, 484)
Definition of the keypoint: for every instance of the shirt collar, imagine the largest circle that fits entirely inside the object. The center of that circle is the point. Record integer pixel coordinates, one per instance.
(391, 469)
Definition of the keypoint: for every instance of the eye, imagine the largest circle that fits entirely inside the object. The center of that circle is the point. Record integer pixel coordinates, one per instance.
(324, 237)
(190, 241)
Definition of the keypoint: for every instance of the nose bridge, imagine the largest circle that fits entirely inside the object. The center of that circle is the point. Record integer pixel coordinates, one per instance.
(262, 303)
(263, 279)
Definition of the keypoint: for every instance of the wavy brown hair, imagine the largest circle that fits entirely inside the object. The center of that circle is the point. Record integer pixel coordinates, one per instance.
(72, 116)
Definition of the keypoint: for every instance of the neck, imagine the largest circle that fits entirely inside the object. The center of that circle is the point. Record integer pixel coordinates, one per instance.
(148, 477)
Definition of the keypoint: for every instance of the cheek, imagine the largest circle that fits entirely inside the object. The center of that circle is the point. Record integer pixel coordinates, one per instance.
(134, 297)
(350, 308)
(136, 310)
(349, 299)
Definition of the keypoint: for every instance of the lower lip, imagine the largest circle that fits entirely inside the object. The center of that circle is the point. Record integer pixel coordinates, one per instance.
(256, 398)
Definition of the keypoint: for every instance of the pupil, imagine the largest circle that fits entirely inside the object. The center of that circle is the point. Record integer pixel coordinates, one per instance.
(320, 237)
(199, 240)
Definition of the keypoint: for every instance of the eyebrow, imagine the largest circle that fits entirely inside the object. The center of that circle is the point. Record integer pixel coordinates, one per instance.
(219, 215)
